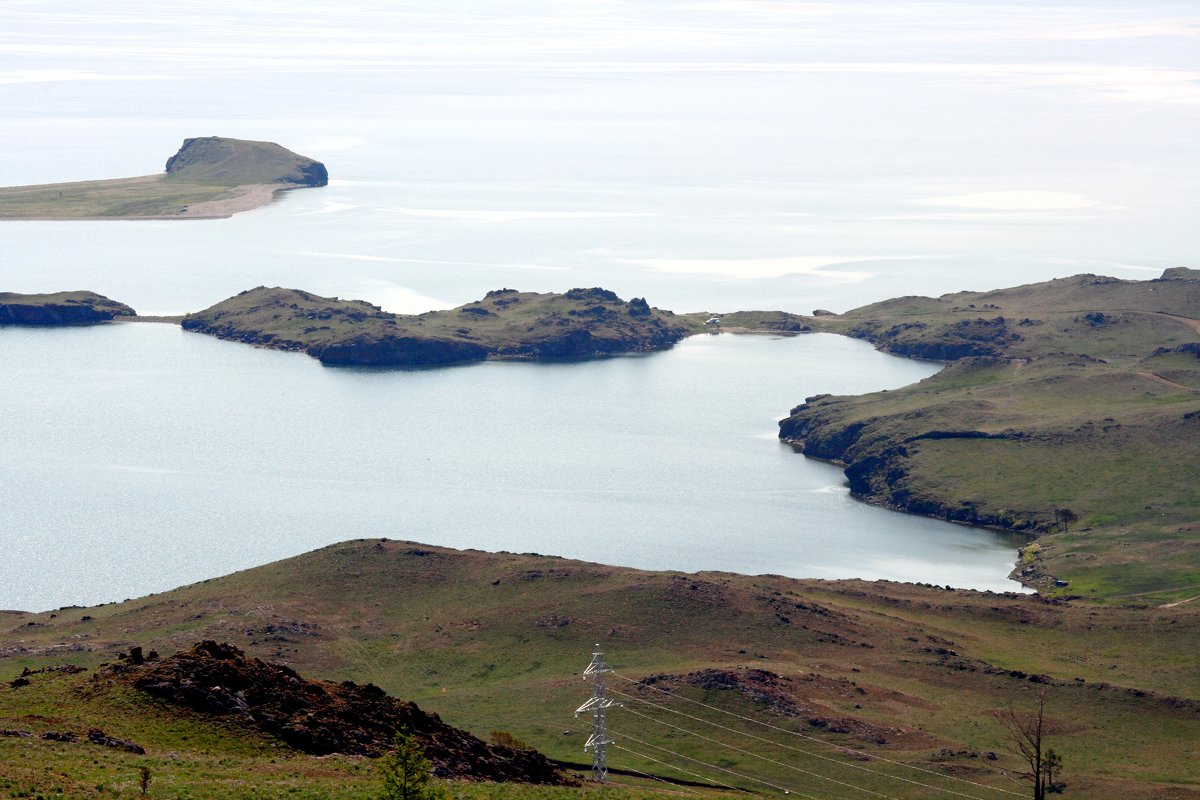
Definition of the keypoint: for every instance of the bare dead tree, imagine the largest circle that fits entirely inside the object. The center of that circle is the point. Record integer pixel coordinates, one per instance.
(1064, 518)
(1027, 732)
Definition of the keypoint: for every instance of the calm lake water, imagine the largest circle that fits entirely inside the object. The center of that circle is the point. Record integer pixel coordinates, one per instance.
(707, 156)
(139, 457)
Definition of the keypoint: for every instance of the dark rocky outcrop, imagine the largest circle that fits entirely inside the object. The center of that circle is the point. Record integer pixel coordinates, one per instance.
(1180, 274)
(966, 338)
(98, 736)
(389, 350)
(321, 717)
(1191, 348)
(59, 308)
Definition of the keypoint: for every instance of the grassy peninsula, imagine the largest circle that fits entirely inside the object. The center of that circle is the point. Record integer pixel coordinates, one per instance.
(1069, 410)
(208, 178)
(496, 641)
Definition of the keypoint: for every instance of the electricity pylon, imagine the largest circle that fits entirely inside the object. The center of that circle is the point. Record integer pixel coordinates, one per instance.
(598, 704)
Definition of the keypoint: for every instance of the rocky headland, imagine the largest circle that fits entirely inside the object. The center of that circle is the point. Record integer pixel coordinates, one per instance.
(580, 323)
(1067, 407)
(209, 177)
(59, 308)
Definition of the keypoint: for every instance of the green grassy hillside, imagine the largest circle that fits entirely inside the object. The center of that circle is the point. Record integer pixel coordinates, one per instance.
(1080, 394)
(908, 678)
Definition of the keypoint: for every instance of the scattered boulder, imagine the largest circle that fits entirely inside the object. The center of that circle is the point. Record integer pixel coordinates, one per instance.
(97, 736)
(594, 293)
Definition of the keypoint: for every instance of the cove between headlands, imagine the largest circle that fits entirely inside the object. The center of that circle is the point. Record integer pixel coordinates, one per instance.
(1067, 413)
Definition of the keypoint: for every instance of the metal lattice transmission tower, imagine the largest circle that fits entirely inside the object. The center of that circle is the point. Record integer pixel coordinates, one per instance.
(598, 704)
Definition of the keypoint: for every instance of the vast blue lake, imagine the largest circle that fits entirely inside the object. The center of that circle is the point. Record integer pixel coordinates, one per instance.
(707, 156)
(139, 457)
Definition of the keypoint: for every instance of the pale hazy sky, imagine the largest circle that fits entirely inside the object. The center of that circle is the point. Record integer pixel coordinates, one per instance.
(927, 145)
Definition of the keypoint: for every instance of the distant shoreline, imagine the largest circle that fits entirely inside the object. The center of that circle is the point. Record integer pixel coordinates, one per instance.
(240, 199)
(209, 178)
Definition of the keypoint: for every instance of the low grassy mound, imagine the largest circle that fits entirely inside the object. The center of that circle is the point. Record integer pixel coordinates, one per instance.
(59, 308)
(864, 683)
(580, 323)
(1070, 410)
(209, 177)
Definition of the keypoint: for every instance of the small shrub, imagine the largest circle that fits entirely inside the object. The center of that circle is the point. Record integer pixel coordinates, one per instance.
(405, 771)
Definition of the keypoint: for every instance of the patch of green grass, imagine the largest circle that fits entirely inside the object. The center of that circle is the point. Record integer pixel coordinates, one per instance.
(150, 195)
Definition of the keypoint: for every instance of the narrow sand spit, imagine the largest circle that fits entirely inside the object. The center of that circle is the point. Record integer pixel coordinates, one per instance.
(241, 198)
(235, 201)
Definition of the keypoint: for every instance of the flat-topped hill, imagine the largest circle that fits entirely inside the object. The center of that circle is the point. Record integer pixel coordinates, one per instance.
(210, 177)
(59, 308)
(506, 323)
(236, 162)
(1070, 410)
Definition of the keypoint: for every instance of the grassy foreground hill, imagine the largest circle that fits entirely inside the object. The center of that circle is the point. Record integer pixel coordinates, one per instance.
(894, 689)
(1069, 410)
(210, 177)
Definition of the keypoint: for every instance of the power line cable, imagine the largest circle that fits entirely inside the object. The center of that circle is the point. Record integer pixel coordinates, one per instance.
(822, 741)
(676, 788)
(776, 786)
(777, 744)
(680, 769)
(781, 763)
(731, 747)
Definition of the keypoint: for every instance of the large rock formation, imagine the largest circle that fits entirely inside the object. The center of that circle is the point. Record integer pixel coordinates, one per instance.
(320, 717)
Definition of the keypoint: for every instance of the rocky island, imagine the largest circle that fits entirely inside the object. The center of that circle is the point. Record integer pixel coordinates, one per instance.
(506, 323)
(209, 178)
(1069, 410)
(59, 308)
